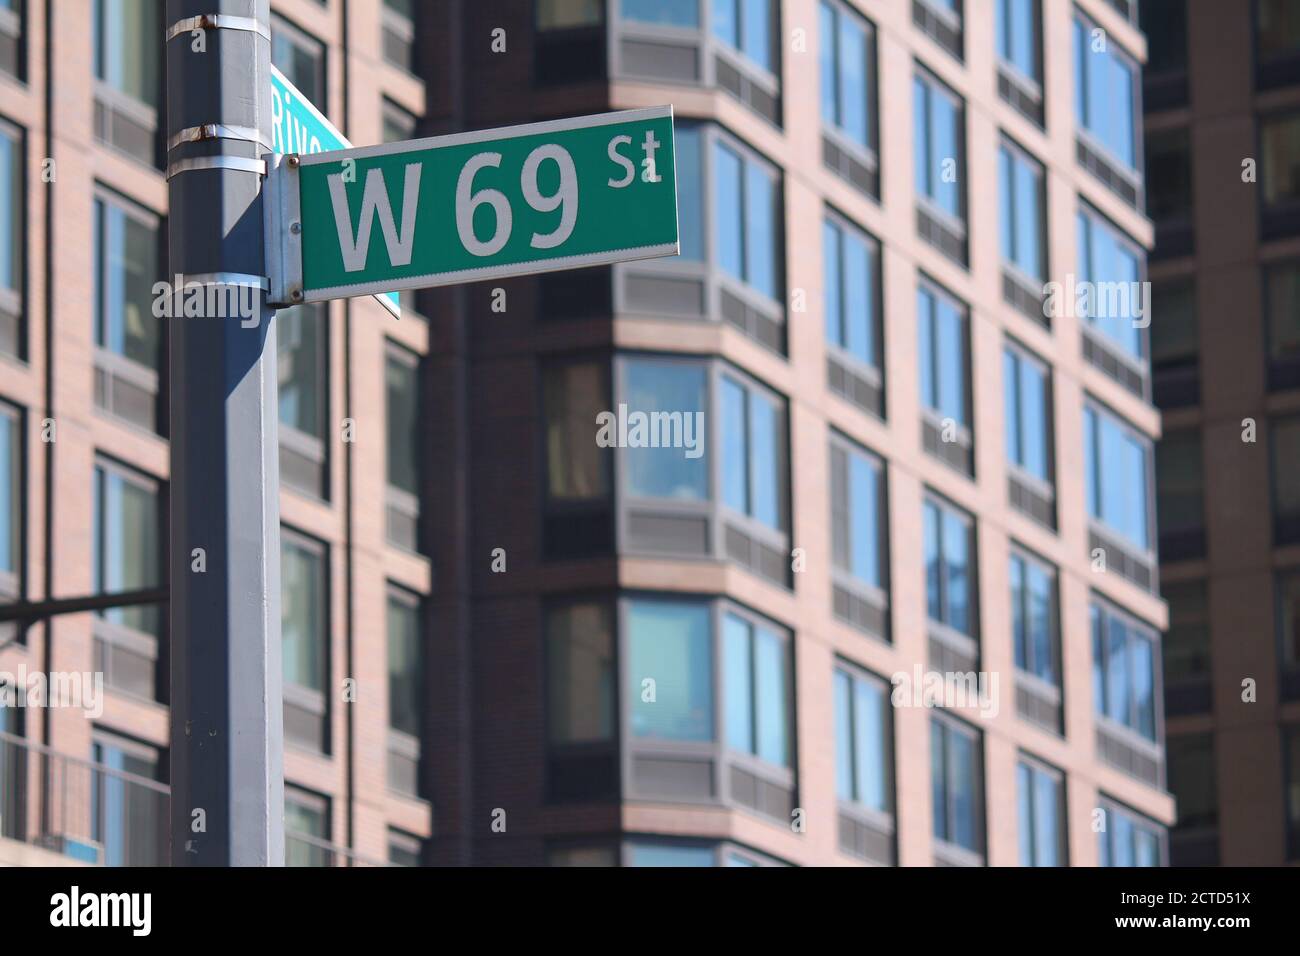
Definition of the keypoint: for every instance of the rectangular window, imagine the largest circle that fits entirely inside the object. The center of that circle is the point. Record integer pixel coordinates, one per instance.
(1282, 323)
(1040, 800)
(1291, 794)
(128, 550)
(670, 644)
(1114, 267)
(756, 681)
(1024, 215)
(859, 521)
(306, 829)
(405, 691)
(128, 807)
(1028, 396)
(1277, 43)
(403, 445)
(570, 14)
(1034, 618)
(1288, 614)
(672, 414)
(1164, 78)
(669, 854)
(577, 468)
(1279, 144)
(12, 508)
(128, 338)
(1124, 671)
(957, 781)
(128, 75)
(1105, 94)
(580, 673)
(582, 856)
(847, 64)
(941, 20)
(1180, 495)
(1169, 189)
(1193, 785)
(863, 740)
(852, 274)
(301, 58)
(398, 123)
(304, 637)
(749, 27)
(404, 849)
(1175, 343)
(1117, 470)
(1186, 649)
(12, 52)
(13, 239)
(1286, 490)
(747, 215)
(1129, 839)
(301, 346)
(940, 130)
(399, 33)
(950, 579)
(1019, 44)
(943, 355)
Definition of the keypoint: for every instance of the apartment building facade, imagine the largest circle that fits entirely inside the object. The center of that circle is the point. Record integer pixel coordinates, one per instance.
(918, 451)
(1222, 129)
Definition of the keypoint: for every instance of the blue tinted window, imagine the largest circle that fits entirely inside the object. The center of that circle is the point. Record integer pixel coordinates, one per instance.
(670, 387)
(1124, 672)
(1113, 297)
(746, 213)
(756, 678)
(1104, 80)
(942, 355)
(11, 509)
(846, 73)
(1038, 798)
(1033, 616)
(1027, 415)
(127, 264)
(690, 204)
(1116, 473)
(939, 146)
(1128, 840)
(670, 645)
(851, 283)
(864, 514)
(862, 741)
(950, 567)
(677, 13)
(1017, 35)
(128, 546)
(747, 26)
(955, 775)
(11, 198)
(660, 854)
(1022, 212)
(752, 444)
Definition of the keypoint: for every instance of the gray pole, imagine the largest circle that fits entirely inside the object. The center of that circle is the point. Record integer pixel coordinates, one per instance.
(227, 730)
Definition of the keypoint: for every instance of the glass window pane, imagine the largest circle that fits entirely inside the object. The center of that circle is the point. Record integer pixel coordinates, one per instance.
(859, 301)
(727, 210)
(871, 734)
(765, 470)
(128, 265)
(761, 268)
(1019, 619)
(690, 203)
(11, 218)
(956, 554)
(757, 28)
(735, 447)
(1280, 144)
(677, 13)
(300, 348)
(576, 466)
(302, 618)
(402, 410)
(1025, 813)
(962, 790)
(737, 668)
(832, 250)
(1033, 417)
(1041, 599)
(934, 597)
(580, 673)
(1277, 28)
(653, 386)
(126, 54)
(128, 546)
(404, 662)
(669, 646)
(939, 780)
(658, 854)
(771, 681)
(1047, 821)
(864, 513)
(827, 51)
(844, 744)
(925, 324)
(1118, 688)
(854, 80)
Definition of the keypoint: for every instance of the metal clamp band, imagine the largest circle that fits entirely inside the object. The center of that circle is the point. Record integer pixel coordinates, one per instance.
(216, 162)
(225, 278)
(217, 21)
(197, 134)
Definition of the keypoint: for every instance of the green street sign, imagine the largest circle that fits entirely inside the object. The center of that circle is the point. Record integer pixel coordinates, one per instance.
(298, 127)
(471, 206)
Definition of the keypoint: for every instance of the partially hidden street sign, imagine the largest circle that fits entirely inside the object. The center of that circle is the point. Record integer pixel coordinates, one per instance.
(472, 206)
(298, 127)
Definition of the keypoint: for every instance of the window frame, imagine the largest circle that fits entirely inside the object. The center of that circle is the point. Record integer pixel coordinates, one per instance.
(304, 41)
(946, 851)
(1014, 417)
(401, 504)
(1114, 537)
(315, 703)
(959, 222)
(968, 642)
(13, 302)
(881, 820)
(1136, 630)
(867, 153)
(842, 574)
(1139, 821)
(1021, 156)
(1039, 768)
(1133, 172)
(402, 744)
(1139, 365)
(13, 584)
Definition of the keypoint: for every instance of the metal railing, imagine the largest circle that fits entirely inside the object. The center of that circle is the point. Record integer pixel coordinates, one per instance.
(103, 816)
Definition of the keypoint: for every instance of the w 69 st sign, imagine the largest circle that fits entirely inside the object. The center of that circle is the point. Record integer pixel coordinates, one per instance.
(473, 206)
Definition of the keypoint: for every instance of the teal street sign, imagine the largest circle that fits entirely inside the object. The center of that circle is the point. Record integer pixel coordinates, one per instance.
(472, 206)
(298, 127)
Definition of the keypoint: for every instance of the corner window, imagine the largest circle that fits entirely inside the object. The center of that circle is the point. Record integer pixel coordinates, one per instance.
(674, 648)
(859, 538)
(732, 262)
(847, 62)
(1105, 107)
(1124, 671)
(1040, 801)
(939, 122)
(957, 792)
(13, 238)
(1129, 839)
(672, 414)
(1117, 471)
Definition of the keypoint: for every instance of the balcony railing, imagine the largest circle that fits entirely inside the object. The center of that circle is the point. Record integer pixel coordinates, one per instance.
(98, 815)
